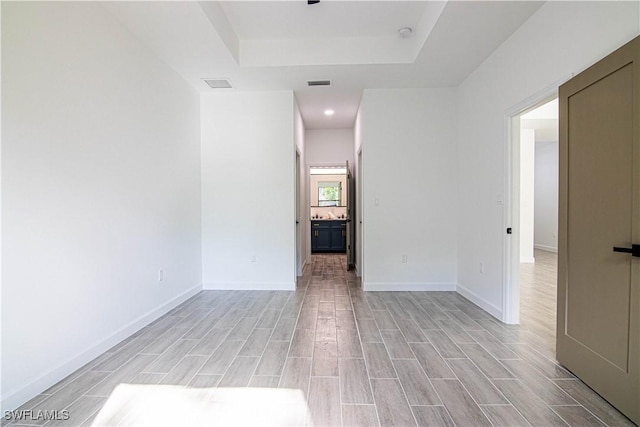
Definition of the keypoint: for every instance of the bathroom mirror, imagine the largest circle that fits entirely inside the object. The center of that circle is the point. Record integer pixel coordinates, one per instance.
(328, 191)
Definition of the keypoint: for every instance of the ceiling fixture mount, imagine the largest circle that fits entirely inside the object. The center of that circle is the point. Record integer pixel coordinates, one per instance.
(329, 112)
(405, 32)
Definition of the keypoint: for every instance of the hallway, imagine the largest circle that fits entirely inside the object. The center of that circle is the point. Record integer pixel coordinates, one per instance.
(329, 354)
(538, 288)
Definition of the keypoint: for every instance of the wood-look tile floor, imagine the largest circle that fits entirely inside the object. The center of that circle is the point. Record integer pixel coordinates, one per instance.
(329, 354)
(538, 288)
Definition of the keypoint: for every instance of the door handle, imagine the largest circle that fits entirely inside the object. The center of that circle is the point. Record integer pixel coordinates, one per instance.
(634, 250)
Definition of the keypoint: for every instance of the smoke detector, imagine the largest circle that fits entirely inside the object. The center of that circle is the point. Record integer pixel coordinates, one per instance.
(405, 32)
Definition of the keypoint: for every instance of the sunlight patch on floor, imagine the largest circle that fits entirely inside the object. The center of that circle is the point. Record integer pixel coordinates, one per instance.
(165, 405)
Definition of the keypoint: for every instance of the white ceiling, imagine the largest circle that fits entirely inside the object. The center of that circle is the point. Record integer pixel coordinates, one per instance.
(327, 19)
(280, 45)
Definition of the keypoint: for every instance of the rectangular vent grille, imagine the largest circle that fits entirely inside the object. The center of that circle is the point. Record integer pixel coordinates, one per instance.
(218, 83)
(319, 82)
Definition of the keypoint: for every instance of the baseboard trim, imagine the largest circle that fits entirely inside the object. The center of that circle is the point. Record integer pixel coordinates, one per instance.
(14, 399)
(527, 260)
(250, 286)
(305, 266)
(407, 286)
(546, 248)
(480, 302)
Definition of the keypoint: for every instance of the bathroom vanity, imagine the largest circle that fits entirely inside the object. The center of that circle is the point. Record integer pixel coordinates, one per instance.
(330, 210)
(328, 235)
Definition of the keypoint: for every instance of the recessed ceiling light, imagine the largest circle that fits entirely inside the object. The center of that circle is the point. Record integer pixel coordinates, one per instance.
(329, 112)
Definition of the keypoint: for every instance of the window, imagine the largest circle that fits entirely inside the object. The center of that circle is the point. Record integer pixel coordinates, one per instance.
(329, 193)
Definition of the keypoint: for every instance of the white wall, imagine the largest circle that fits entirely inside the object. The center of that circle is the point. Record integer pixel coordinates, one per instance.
(409, 197)
(527, 166)
(546, 195)
(1, 222)
(329, 146)
(100, 190)
(248, 190)
(559, 39)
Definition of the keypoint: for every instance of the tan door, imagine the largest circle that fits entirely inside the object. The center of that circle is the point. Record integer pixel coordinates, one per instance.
(598, 336)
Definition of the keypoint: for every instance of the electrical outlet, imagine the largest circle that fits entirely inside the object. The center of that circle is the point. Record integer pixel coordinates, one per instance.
(160, 275)
(404, 258)
(253, 258)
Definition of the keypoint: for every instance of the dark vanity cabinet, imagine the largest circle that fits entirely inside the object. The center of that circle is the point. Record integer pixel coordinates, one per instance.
(328, 235)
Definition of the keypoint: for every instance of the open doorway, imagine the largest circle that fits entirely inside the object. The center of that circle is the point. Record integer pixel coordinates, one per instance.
(298, 194)
(329, 187)
(520, 202)
(330, 191)
(538, 228)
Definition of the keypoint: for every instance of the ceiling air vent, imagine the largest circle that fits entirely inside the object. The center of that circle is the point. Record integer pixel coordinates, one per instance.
(218, 83)
(319, 82)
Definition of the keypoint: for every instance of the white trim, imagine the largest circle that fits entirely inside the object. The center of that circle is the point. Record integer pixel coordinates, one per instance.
(18, 397)
(510, 312)
(527, 260)
(305, 265)
(480, 302)
(541, 97)
(546, 248)
(407, 286)
(250, 286)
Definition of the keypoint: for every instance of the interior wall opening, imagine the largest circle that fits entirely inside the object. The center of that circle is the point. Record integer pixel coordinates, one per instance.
(330, 192)
(538, 222)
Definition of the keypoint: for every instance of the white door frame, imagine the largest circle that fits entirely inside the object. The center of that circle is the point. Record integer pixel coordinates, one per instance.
(511, 242)
(358, 218)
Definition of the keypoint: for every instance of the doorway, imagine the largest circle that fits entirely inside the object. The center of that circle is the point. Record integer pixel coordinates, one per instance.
(538, 228)
(520, 197)
(299, 228)
(329, 158)
(329, 208)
